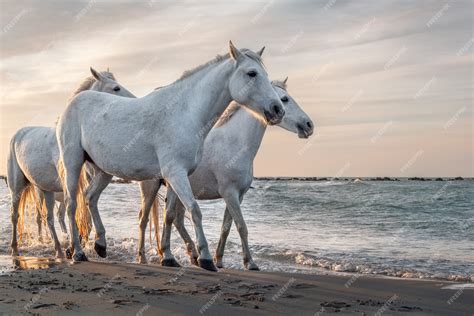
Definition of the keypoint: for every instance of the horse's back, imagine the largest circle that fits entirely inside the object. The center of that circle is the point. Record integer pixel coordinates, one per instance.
(36, 152)
(115, 138)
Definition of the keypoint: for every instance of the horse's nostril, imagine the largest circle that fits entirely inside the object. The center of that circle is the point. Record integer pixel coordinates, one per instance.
(309, 124)
(276, 109)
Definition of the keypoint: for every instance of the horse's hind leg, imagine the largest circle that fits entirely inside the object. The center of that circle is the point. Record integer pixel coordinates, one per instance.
(73, 160)
(232, 200)
(14, 218)
(15, 192)
(179, 224)
(39, 223)
(17, 183)
(49, 202)
(99, 182)
(39, 216)
(61, 213)
(225, 230)
(148, 190)
(170, 214)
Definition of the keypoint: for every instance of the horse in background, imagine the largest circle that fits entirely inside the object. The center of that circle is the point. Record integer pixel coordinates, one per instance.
(33, 176)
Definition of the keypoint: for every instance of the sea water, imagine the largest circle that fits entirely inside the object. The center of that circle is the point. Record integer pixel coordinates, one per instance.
(411, 229)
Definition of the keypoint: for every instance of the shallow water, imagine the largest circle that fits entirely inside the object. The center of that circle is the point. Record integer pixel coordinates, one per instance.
(406, 229)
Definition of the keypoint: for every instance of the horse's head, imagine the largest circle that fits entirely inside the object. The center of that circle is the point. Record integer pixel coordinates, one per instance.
(249, 85)
(105, 82)
(295, 119)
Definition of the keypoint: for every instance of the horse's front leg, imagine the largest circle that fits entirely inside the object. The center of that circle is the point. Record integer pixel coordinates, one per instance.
(225, 230)
(232, 200)
(180, 184)
(49, 202)
(148, 190)
(97, 185)
(179, 224)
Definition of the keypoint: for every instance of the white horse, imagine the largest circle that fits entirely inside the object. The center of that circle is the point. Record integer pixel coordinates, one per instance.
(160, 135)
(226, 171)
(32, 164)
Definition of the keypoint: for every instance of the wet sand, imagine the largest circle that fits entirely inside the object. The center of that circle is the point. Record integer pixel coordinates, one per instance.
(92, 288)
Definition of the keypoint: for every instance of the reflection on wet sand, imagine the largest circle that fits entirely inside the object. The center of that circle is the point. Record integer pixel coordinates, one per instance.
(33, 263)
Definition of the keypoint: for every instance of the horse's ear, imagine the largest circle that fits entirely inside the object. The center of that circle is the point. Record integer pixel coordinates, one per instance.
(235, 53)
(96, 74)
(286, 79)
(260, 52)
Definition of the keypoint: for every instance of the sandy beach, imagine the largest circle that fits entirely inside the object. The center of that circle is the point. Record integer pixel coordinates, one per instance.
(131, 289)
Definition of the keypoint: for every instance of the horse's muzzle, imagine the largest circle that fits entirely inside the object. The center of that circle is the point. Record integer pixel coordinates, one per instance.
(305, 130)
(275, 114)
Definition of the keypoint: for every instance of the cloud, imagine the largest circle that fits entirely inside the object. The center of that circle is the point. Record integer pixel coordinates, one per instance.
(331, 50)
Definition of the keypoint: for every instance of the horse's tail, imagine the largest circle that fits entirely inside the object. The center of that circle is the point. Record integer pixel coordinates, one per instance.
(29, 205)
(83, 217)
(155, 214)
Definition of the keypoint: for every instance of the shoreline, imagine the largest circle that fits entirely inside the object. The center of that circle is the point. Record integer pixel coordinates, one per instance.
(120, 288)
(361, 179)
(331, 178)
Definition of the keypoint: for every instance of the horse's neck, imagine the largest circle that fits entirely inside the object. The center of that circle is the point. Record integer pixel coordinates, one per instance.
(250, 131)
(206, 94)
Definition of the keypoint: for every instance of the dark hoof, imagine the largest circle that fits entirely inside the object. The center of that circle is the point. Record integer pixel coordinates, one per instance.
(207, 264)
(68, 253)
(254, 268)
(101, 250)
(170, 263)
(194, 261)
(79, 256)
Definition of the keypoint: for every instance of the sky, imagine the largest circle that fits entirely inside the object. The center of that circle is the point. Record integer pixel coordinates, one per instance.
(388, 84)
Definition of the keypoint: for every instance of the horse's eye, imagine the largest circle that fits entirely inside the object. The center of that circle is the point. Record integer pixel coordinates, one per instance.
(284, 99)
(252, 73)
(117, 88)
